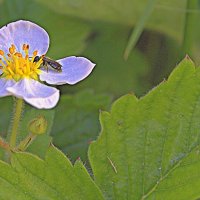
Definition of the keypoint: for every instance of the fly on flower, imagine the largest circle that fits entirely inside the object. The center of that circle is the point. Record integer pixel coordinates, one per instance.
(22, 65)
(47, 62)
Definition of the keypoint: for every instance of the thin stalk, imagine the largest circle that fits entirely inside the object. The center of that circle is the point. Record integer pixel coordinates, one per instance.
(26, 142)
(18, 110)
(189, 27)
(137, 31)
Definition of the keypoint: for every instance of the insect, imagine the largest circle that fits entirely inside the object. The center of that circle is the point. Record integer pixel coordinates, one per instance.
(47, 62)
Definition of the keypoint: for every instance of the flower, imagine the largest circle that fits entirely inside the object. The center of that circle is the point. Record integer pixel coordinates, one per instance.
(22, 76)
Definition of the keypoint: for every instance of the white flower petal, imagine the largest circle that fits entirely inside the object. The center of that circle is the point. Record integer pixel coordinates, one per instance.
(74, 69)
(5, 83)
(35, 93)
(24, 32)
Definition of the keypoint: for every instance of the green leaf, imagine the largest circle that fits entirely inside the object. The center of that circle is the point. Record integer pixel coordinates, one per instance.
(168, 16)
(40, 145)
(30, 178)
(149, 147)
(76, 122)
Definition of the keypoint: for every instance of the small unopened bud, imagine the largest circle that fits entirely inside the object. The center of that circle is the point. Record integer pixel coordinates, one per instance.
(38, 125)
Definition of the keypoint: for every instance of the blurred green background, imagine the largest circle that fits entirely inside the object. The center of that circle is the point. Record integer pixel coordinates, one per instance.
(101, 30)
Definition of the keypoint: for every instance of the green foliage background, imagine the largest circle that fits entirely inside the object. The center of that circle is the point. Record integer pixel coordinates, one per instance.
(100, 30)
(149, 144)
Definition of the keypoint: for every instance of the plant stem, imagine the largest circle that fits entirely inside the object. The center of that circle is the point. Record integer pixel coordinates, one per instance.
(4, 145)
(26, 142)
(18, 109)
(190, 26)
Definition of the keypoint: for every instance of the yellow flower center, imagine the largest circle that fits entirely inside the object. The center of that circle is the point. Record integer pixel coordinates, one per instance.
(17, 66)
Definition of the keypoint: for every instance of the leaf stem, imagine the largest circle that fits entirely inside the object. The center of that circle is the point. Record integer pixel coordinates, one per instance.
(189, 27)
(18, 109)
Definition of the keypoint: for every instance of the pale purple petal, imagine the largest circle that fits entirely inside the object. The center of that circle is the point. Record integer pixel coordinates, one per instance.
(74, 69)
(24, 32)
(35, 93)
(5, 83)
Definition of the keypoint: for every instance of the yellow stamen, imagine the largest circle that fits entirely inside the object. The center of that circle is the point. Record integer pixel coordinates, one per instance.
(10, 70)
(16, 61)
(13, 47)
(11, 50)
(3, 55)
(24, 47)
(2, 63)
(18, 54)
(35, 53)
(16, 65)
(1, 52)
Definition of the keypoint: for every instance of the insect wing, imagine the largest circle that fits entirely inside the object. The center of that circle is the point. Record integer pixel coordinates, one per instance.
(55, 65)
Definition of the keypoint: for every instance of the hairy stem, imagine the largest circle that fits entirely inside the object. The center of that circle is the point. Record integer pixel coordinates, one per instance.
(18, 109)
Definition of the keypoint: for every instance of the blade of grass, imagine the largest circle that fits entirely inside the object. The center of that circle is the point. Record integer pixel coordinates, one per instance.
(190, 26)
(139, 27)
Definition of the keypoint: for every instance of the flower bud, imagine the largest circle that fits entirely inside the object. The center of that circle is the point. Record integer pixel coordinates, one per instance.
(38, 125)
